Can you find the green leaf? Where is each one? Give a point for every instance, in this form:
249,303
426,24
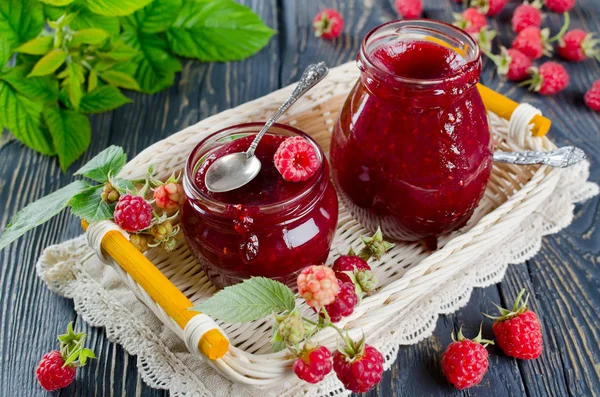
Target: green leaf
71,133
217,31
106,163
88,36
123,186
20,21
40,89
39,212
92,80
155,17
23,117
57,3
251,300
87,19
113,8
52,13
38,46
119,79
49,63
75,90
156,66
103,99
89,205
120,52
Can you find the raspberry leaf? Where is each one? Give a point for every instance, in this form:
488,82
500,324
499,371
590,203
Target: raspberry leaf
102,99
104,164
71,133
89,205
40,89
251,300
20,21
40,212
155,17
115,7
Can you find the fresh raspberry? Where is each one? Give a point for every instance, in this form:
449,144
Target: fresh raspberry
513,64
577,46
518,331
592,96
465,361
348,263
328,24
533,42
133,213
296,159
318,286
560,5
489,7
359,368
470,20
52,373
56,369
409,9
526,15
313,364
169,197
549,79
344,303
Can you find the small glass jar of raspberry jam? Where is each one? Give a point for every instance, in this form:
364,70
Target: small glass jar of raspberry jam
411,150
269,227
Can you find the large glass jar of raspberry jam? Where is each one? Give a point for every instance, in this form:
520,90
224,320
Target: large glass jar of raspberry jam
269,227
411,150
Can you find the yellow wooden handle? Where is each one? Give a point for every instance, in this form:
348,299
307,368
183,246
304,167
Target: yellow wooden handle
504,107
213,343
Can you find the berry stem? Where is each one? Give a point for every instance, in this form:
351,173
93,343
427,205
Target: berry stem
563,29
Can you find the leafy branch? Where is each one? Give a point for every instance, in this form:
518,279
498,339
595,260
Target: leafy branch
61,60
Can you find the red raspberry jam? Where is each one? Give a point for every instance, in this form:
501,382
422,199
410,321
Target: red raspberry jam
411,150
269,227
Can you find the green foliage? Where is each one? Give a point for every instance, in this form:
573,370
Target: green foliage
94,48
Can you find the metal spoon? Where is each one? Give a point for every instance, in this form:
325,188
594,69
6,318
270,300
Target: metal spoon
565,156
237,169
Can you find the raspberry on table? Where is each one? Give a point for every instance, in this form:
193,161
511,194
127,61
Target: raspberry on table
328,24
133,213
51,372
592,96
296,159
465,361
533,42
169,197
344,303
578,45
527,15
409,9
470,20
512,64
313,364
549,79
560,6
359,368
318,286
489,7
518,331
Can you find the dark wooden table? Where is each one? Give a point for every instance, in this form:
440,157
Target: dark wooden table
563,278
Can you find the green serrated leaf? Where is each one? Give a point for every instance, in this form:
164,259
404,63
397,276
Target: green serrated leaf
103,99
20,21
71,133
89,205
113,8
104,164
217,31
38,46
41,89
23,117
52,13
49,63
74,85
92,81
155,65
119,79
57,3
251,300
39,212
87,19
120,52
155,17
88,36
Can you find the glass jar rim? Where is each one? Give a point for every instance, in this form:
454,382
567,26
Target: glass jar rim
191,162
424,25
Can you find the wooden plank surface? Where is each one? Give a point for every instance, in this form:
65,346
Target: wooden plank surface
563,277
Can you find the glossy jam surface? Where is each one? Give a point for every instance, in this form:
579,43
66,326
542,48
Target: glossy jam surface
413,157
269,228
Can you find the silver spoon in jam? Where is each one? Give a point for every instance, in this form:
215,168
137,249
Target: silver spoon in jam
237,169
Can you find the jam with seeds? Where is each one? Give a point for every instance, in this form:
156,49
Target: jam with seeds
411,150
269,227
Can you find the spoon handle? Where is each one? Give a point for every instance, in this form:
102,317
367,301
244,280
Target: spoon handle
311,76
561,157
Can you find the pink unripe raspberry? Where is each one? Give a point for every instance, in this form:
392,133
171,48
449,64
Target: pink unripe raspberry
318,286
169,197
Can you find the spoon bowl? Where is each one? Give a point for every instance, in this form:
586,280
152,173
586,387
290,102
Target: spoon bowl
241,166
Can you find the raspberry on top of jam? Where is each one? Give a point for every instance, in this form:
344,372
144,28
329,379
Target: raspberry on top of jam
268,187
